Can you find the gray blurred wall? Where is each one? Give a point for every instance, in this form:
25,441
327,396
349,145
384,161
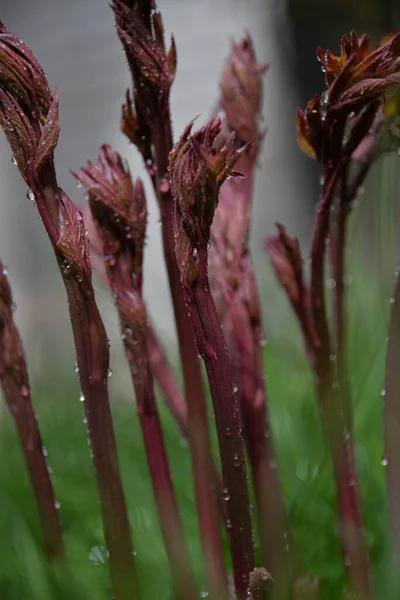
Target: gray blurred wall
76,43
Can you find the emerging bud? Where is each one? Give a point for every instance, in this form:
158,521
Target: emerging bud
285,255
140,29
22,76
142,35
117,204
360,71
197,172
241,89
357,81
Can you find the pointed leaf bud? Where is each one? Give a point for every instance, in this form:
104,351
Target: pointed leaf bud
197,172
118,204
22,76
241,88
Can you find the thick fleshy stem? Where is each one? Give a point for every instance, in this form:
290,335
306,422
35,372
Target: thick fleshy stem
335,422
197,172
33,136
235,290
161,370
158,360
14,383
119,212
142,36
91,345
211,345
136,348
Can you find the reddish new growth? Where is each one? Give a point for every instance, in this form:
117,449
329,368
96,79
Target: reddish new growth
14,382
29,119
234,288
205,208
147,123
197,172
118,208
340,130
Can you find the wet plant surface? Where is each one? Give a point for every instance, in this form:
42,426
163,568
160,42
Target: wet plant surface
275,471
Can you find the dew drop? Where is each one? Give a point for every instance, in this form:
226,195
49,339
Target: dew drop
24,391
330,284
44,450
360,190
164,186
76,368
384,461
332,357
14,162
263,340
109,373
335,385
236,461
57,505
228,432
5,271
128,331
194,253
123,337
322,180
383,392
30,195
226,494
81,397
234,388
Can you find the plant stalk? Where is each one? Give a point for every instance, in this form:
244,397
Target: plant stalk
136,348
198,428
211,345
14,382
332,404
